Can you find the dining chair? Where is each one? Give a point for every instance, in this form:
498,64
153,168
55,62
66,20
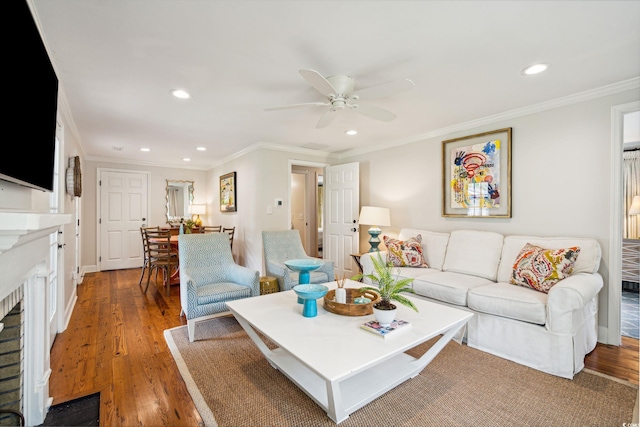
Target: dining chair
162,256
209,277
145,251
230,231
281,246
211,229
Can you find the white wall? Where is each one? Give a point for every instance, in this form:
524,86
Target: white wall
561,178
262,176
157,199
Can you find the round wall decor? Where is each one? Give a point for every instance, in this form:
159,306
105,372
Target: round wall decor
74,177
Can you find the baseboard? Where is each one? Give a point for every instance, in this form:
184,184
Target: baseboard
87,269
69,310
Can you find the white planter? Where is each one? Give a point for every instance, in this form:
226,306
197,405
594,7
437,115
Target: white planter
384,317
341,295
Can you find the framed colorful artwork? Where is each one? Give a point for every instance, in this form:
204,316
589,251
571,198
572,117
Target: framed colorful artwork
476,175
228,193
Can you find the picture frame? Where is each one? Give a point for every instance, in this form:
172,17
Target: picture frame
228,193
476,175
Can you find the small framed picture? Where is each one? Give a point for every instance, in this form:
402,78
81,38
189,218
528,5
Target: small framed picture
476,175
228,193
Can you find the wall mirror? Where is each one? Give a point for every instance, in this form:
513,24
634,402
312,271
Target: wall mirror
179,197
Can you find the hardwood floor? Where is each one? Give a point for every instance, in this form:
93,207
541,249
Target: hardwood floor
114,344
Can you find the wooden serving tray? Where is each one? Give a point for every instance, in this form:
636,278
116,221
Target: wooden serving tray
350,308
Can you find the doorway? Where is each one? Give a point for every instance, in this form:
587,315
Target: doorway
306,207
629,322
612,330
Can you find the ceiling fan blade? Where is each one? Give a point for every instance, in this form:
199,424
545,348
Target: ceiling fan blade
375,113
318,82
308,104
327,118
385,89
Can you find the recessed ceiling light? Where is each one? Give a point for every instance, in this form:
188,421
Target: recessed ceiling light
186,159
179,93
534,69
201,148
351,132
145,149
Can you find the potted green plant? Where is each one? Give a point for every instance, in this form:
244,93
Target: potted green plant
390,288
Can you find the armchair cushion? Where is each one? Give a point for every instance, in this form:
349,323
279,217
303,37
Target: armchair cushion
217,292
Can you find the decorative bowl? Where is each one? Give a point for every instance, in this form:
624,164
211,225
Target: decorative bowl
304,264
311,291
309,294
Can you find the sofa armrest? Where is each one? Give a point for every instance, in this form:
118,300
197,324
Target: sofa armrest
280,272
245,276
367,264
568,299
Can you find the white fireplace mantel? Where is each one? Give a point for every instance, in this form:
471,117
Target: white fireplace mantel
17,228
24,250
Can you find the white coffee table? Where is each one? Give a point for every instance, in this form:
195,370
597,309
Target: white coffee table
331,359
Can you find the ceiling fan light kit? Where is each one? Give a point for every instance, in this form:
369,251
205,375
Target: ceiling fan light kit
339,91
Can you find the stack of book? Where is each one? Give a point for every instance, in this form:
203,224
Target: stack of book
384,331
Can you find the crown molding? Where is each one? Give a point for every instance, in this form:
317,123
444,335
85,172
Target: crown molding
143,163
588,95
277,147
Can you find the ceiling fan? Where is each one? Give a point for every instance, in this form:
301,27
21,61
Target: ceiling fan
339,91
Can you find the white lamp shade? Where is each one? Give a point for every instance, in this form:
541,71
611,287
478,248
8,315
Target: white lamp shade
634,209
197,209
370,215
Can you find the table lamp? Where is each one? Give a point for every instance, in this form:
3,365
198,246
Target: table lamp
634,209
197,210
375,217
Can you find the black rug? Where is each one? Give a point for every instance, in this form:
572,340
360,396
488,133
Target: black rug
84,411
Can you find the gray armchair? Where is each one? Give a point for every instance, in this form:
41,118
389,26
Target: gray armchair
209,277
280,246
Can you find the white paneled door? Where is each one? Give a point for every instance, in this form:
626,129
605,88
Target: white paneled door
123,210
342,201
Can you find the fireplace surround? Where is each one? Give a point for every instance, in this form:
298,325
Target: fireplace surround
24,248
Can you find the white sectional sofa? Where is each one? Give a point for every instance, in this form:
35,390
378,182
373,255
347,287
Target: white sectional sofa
471,270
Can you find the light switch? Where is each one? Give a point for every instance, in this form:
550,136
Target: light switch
279,203
269,209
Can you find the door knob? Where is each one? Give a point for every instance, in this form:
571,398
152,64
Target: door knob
354,230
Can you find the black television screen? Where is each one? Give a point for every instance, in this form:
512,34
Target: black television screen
27,157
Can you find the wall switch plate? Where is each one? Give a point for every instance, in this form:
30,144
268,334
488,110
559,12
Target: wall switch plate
279,203
269,209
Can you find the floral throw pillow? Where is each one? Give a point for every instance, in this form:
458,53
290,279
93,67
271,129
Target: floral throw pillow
406,253
540,269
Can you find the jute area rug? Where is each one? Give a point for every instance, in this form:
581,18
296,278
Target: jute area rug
232,384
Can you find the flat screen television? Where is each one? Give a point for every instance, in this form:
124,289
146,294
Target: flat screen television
27,156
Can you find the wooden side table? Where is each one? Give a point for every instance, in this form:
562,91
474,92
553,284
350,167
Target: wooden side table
268,285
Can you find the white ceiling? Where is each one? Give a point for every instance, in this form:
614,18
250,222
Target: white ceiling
117,61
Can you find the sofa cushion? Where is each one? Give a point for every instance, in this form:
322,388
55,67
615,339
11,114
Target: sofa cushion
405,253
587,262
448,287
474,252
506,300
411,272
434,245
540,269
